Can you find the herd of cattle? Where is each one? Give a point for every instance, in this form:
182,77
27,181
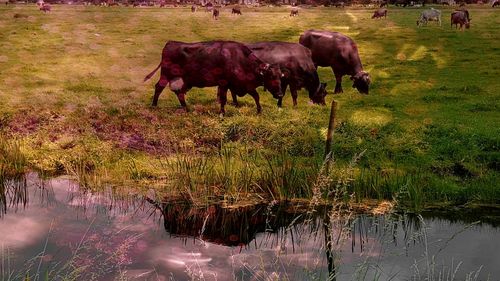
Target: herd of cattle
458,17
242,68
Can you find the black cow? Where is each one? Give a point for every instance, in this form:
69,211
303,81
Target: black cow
297,68
340,53
495,4
236,11
382,12
460,18
46,8
193,8
294,12
215,14
226,64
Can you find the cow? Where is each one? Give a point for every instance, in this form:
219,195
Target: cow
215,14
294,12
460,18
193,8
236,11
340,52
226,64
382,12
209,7
383,4
46,8
429,15
339,4
495,4
297,68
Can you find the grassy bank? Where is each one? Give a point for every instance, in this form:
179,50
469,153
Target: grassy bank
73,101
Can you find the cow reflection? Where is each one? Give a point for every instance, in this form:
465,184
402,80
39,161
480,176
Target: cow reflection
226,226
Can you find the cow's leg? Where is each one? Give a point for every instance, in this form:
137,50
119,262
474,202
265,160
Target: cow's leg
181,96
235,99
255,96
222,97
293,90
158,89
338,84
284,85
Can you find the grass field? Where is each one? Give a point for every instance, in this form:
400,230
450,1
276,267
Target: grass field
72,101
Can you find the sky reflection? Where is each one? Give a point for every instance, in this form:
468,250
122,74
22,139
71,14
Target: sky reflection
116,235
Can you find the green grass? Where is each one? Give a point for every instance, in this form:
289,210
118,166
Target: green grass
71,92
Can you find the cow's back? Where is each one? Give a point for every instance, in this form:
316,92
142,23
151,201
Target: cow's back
326,46
206,63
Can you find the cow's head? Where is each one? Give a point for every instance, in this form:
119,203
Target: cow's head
271,76
361,81
319,94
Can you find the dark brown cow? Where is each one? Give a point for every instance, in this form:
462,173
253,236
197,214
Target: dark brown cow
340,53
226,64
193,8
215,14
236,11
297,67
46,8
382,12
294,12
460,18
495,4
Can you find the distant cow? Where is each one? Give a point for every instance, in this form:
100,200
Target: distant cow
382,12
236,11
429,15
209,7
339,4
460,18
193,8
215,14
383,4
297,68
340,53
294,12
46,8
495,4
226,64
113,4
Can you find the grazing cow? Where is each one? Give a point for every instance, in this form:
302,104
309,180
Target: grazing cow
297,68
193,8
209,7
226,64
429,15
460,18
215,14
382,12
46,8
340,53
294,12
236,11
495,4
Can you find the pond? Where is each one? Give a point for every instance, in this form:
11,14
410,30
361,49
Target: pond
55,230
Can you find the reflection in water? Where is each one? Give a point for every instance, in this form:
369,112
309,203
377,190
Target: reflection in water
107,235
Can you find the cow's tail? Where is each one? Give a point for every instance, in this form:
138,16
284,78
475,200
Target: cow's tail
152,73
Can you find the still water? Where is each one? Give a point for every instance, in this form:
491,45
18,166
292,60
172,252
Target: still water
54,228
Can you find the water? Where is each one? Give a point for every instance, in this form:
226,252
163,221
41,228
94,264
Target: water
56,227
